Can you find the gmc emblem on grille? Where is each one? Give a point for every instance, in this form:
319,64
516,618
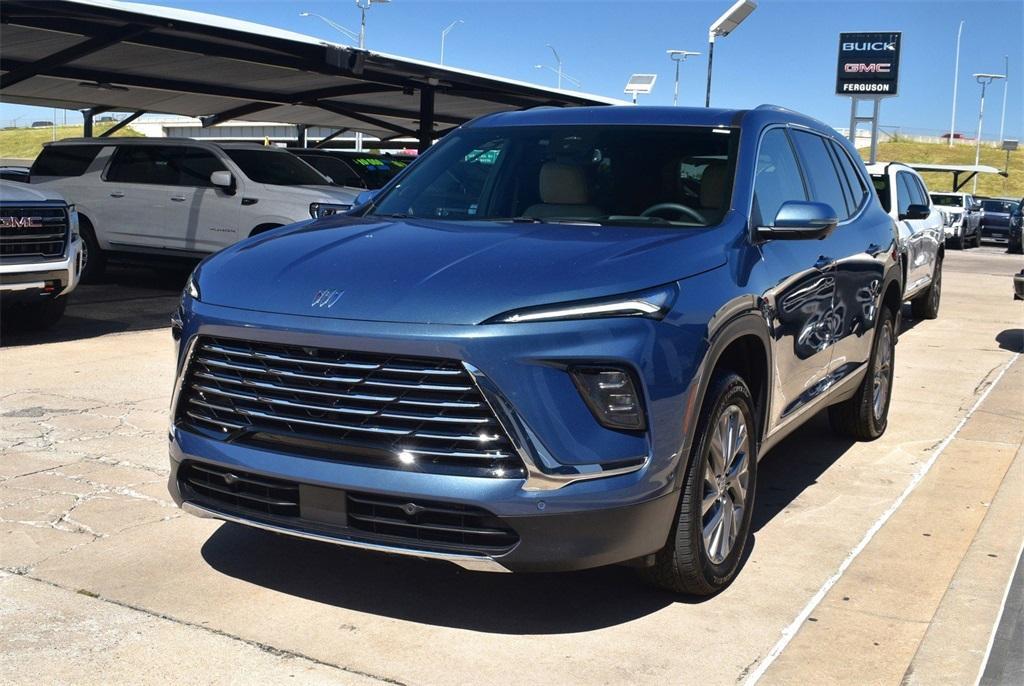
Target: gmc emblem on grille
21,222
326,298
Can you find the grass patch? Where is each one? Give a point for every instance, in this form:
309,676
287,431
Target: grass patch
941,153
25,144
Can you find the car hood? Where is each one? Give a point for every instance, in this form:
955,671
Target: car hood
12,191
427,271
324,193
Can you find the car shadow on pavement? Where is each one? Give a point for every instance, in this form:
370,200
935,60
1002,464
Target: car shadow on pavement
433,592
1011,339
129,298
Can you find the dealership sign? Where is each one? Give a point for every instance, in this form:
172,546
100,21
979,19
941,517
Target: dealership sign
869,64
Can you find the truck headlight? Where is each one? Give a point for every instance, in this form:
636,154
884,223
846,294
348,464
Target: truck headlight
653,304
191,288
326,209
611,395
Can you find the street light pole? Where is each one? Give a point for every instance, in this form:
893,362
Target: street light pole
723,26
678,56
984,80
956,78
1006,80
349,33
444,34
362,19
558,61
558,70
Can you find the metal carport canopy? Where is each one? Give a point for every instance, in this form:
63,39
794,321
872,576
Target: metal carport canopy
102,55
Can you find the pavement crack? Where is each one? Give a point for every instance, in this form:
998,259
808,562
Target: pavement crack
263,647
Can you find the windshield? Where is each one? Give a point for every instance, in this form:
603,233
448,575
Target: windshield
274,167
1004,206
948,200
673,176
334,168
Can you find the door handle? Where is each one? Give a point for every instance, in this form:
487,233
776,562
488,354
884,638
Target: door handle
178,198
824,262
117,194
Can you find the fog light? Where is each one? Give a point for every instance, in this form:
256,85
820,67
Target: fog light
611,395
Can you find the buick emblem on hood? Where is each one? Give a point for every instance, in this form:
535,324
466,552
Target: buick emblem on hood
326,298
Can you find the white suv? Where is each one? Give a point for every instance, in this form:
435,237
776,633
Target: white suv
180,197
904,195
964,211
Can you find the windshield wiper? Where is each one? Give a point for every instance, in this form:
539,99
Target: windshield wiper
550,220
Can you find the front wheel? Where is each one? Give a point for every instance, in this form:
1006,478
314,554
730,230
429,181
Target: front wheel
710,534
866,415
926,305
94,262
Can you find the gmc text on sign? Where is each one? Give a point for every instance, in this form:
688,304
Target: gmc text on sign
869,64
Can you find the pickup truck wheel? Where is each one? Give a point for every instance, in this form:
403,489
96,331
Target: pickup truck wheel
957,242
866,415
94,262
44,314
710,534
926,305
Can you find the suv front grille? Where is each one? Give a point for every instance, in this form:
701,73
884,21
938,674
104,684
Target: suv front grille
420,414
33,232
409,522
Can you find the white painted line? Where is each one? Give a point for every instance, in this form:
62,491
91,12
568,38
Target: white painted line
999,618
790,631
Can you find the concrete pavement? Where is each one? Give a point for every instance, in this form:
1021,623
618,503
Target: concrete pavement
100,567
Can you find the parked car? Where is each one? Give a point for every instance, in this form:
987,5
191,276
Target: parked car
964,211
178,197
361,170
1016,241
564,340
40,254
904,196
995,219
14,173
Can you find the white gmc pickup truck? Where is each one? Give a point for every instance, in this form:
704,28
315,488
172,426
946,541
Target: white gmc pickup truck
40,254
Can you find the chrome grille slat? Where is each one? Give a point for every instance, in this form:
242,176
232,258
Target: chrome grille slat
393,411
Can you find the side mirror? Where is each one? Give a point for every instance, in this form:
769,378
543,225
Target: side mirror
916,212
798,220
365,197
223,180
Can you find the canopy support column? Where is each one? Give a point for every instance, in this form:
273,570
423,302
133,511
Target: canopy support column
300,136
426,130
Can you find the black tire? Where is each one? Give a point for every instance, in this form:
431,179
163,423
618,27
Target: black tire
926,305
1016,248
861,417
94,262
42,314
684,565
957,243
977,239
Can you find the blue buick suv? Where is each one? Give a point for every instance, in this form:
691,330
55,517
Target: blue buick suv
562,338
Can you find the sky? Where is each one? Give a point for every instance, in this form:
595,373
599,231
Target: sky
784,53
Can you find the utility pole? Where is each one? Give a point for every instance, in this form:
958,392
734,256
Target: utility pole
984,80
956,77
1006,80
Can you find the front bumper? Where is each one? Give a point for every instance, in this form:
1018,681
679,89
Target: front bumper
53,278
571,512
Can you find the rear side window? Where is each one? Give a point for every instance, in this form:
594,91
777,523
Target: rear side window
143,164
881,184
821,173
854,180
777,178
904,192
64,160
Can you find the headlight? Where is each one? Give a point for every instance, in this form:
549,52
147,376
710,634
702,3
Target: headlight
191,289
326,209
73,221
653,304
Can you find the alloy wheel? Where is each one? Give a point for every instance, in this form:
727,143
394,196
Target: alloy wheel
726,479
883,371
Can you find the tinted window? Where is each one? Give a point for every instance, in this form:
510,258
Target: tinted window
821,172
64,160
335,168
1003,206
605,174
948,200
195,166
854,180
904,192
377,171
143,164
881,184
275,167
777,177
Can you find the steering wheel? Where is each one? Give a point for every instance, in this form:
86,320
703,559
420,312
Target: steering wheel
656,210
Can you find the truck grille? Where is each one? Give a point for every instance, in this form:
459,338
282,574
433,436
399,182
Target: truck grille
420,414
33,232
412,522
